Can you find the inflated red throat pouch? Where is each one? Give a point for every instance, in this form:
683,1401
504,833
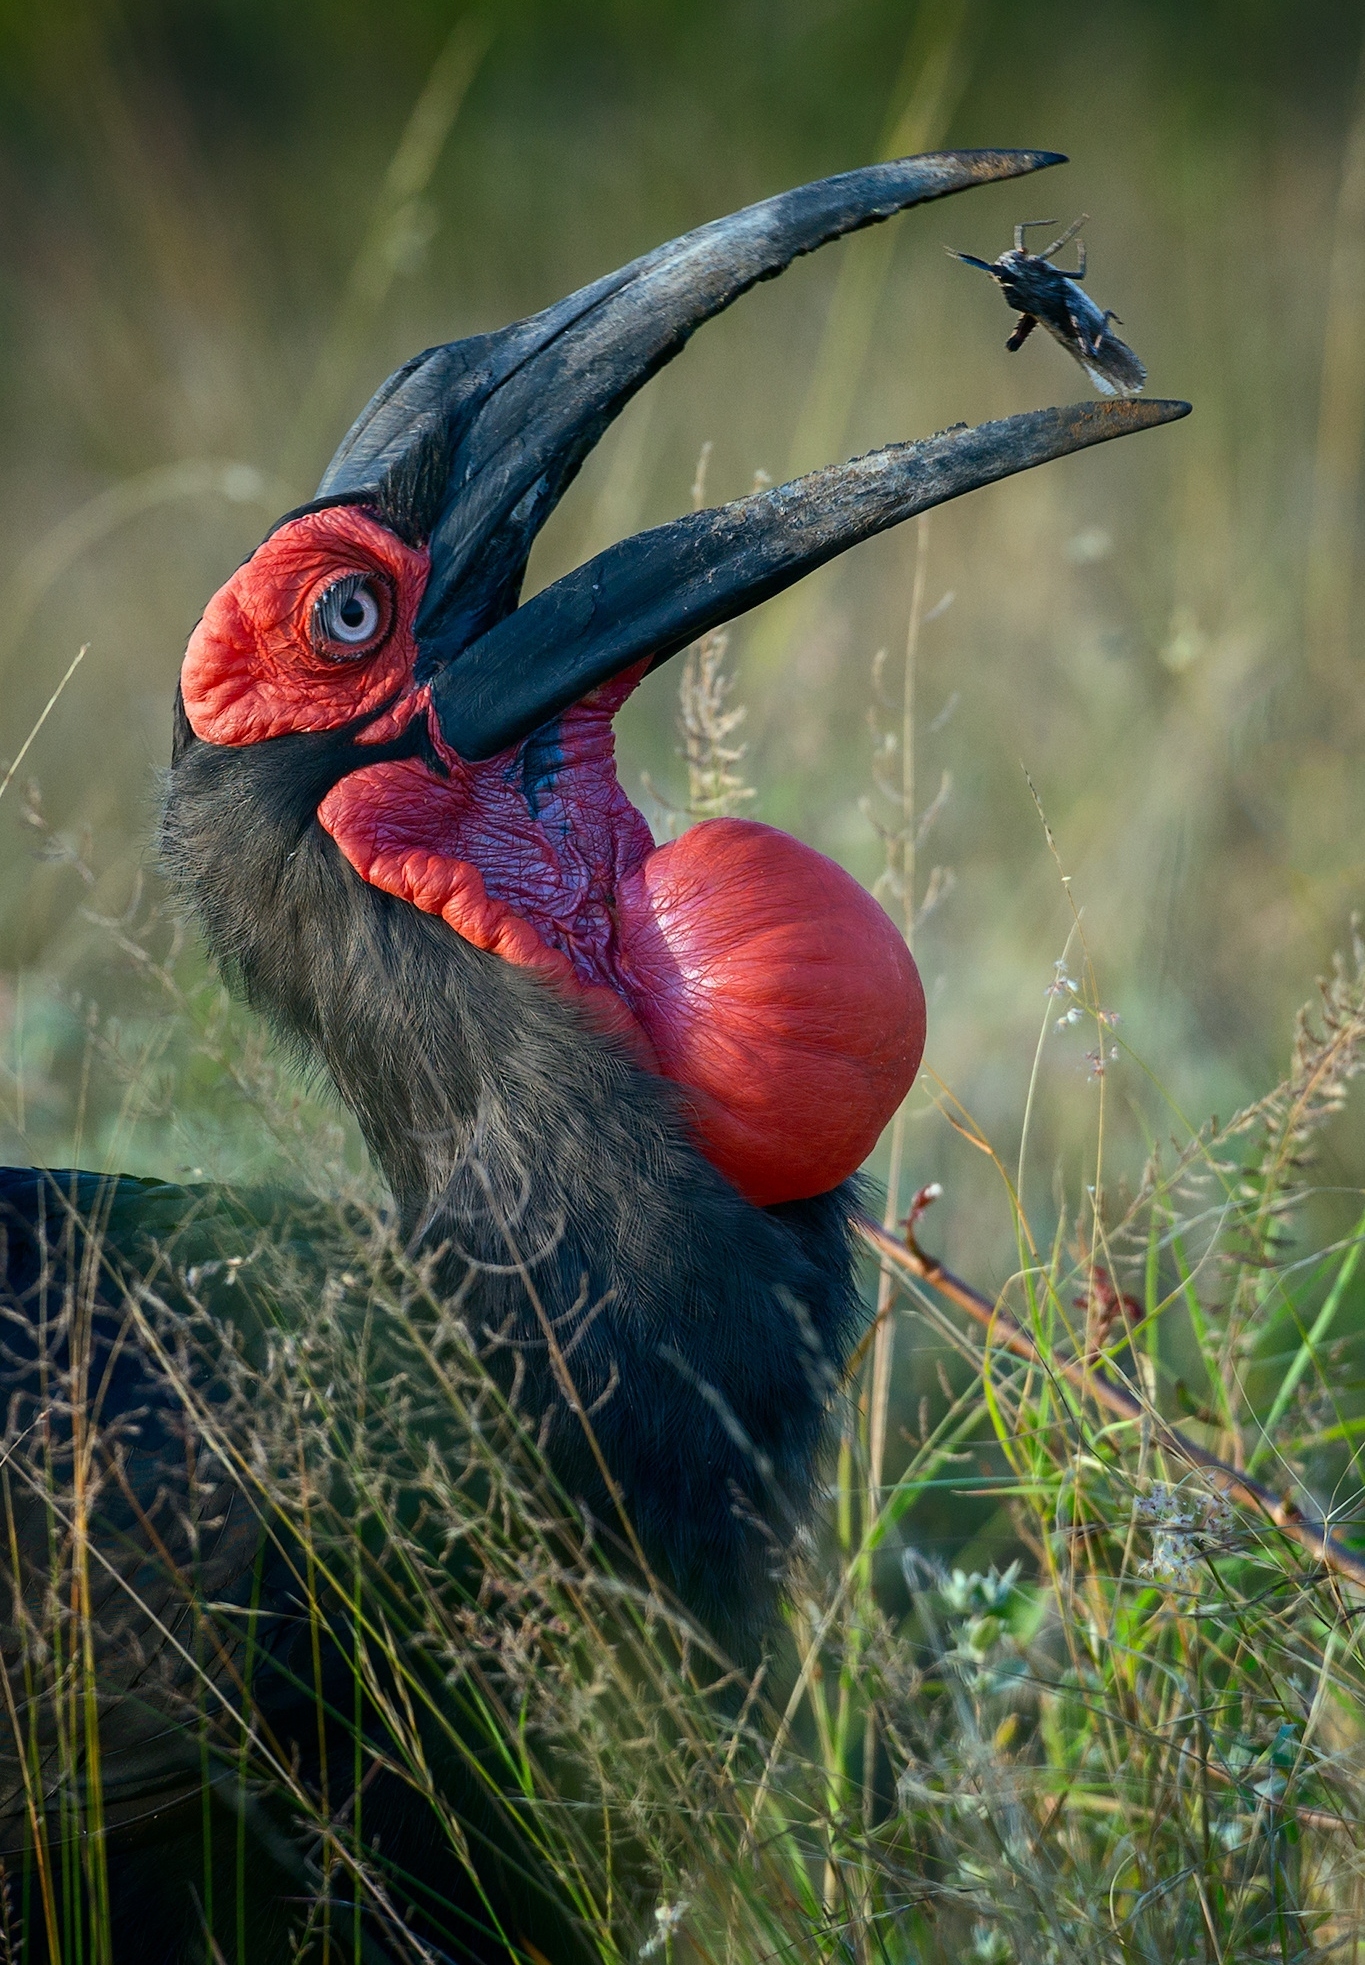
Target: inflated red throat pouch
746,967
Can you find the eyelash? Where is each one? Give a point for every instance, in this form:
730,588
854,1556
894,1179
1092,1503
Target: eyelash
338,639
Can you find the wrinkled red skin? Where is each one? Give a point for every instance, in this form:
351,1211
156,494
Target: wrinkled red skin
250,670
751,970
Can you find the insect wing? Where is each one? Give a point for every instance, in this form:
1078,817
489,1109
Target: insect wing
1114,369
1040,294
1100,381
1088,324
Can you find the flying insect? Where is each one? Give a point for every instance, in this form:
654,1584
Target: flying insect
1042,293
619,1092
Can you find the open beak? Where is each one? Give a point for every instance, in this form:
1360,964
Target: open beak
470,446
653,594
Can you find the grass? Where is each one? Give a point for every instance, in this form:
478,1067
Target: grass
1135,1734
1043,1692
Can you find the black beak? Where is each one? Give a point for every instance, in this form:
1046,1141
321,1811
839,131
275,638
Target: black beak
470,447
653,594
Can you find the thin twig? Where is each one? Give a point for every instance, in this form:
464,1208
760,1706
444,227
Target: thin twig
1310,1532
48,708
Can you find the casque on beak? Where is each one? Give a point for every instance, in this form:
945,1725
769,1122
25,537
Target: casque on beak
749,970
469,447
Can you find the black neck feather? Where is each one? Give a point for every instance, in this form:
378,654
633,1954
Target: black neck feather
705,1336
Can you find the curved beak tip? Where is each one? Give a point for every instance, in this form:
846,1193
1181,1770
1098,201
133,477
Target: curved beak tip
652,594
473,444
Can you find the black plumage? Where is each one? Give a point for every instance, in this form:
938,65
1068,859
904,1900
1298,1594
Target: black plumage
667,1348
506,1126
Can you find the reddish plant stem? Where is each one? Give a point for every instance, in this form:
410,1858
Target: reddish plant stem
1310,1532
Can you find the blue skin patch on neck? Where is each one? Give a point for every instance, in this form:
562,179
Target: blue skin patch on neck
541,757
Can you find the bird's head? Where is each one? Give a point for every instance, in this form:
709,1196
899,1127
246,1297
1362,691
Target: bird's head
459,745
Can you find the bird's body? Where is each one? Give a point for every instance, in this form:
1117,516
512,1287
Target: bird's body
139,1344
618,1094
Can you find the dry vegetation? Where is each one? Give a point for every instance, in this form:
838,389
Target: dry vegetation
1140,1739
1044,1694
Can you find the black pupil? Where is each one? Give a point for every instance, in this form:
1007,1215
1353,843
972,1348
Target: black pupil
352,611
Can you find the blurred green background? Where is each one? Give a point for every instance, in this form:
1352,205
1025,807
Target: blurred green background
222,224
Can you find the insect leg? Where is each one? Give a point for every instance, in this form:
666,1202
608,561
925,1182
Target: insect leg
1024,225
1023,328
1065,237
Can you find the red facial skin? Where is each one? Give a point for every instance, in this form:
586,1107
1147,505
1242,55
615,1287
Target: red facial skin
251,670
749,969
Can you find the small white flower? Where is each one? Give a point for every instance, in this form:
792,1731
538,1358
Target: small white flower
667,1918
991,1947
1186,1526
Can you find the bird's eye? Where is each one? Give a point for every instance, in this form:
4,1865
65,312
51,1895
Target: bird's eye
349,617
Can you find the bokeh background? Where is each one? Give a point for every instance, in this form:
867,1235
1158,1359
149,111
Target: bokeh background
222,224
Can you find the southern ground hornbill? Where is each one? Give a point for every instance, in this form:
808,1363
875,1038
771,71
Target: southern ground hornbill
618,1093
